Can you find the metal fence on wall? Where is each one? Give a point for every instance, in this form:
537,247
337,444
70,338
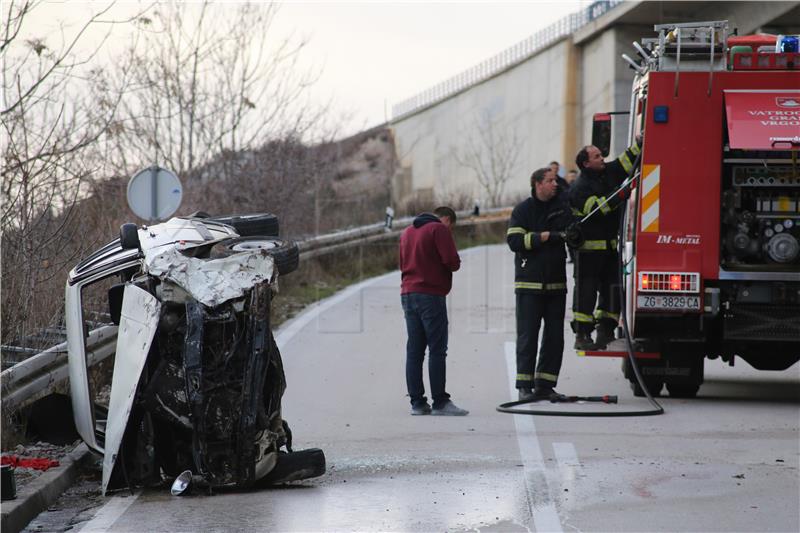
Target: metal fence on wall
503,60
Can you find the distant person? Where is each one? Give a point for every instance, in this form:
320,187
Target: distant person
571,176
540,284
563,186
428,258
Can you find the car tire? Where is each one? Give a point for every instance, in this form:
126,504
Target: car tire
294,466
285,253
250,225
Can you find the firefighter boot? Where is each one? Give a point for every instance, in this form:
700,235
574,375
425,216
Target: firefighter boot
605,334
583,337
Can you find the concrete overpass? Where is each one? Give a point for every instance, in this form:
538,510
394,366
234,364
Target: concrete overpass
480,134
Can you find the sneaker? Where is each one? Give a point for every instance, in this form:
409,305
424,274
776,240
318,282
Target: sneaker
449,409
421,409
526,395
583,341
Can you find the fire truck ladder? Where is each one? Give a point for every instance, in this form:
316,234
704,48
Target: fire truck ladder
692,39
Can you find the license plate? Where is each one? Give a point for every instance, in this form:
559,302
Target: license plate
668,302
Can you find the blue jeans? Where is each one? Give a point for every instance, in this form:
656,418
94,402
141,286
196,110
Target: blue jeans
426,324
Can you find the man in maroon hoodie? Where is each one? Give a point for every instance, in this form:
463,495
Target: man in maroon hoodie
428,258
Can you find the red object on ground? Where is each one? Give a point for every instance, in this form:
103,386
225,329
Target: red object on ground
37,463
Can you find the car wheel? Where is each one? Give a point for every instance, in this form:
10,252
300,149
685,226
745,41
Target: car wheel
294,466
285,253
252,224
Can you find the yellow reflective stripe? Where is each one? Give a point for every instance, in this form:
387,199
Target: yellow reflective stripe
516,230
577,212
604,207
626,162
587,205
539,286
593,245
527,241
545,375
582,317
599,313
599,245
524,377
635,149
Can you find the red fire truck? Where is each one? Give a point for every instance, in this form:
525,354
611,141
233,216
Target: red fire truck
711,255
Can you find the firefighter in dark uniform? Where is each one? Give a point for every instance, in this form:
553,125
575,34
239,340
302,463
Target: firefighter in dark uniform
535,235
597,262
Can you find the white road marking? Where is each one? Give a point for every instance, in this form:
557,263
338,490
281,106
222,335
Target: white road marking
566,456
545,515
109,513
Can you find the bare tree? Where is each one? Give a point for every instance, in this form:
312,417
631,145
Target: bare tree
492,155
207,83
49,123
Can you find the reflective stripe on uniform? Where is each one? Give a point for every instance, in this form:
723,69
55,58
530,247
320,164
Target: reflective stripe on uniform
635,149
583,317
539,286
546,376
516,230
604,207
524,377
527,241
599,245
600,314
587,205
626,163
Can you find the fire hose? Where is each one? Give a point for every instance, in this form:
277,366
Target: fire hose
574,238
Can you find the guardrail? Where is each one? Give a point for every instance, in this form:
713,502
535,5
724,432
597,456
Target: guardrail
38,375
41,374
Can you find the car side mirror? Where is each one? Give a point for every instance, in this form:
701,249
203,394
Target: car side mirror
601,132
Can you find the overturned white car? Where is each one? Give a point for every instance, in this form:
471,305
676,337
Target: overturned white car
197,379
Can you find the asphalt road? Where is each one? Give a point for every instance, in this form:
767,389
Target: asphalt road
726,461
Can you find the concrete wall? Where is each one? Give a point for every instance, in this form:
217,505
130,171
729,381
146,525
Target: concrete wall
541,108
523,110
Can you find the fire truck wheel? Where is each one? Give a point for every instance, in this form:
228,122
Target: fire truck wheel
682,390
653,385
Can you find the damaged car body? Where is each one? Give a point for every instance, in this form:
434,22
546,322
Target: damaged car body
198,378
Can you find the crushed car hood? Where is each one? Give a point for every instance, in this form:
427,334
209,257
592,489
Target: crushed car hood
211,281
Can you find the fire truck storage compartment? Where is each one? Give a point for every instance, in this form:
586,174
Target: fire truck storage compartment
761,182
760,217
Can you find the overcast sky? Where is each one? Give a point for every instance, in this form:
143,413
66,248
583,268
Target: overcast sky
377,54
373,55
